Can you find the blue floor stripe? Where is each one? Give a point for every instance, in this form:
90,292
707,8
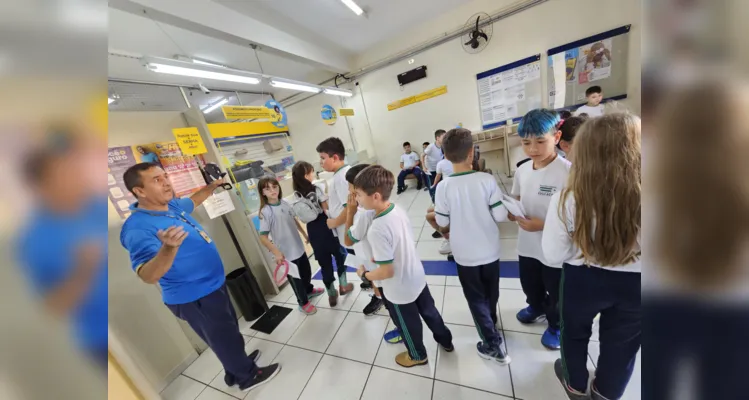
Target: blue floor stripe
507,269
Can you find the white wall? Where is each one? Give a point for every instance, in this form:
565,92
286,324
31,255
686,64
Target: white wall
534,31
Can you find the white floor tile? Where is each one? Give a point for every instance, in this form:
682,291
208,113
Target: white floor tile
359,337
509,283
392,385
213,394
363,299
510,302
436,280
416,232
318,330
297,366
418,221
283,296
452,281
426,234
448,391
345,302
508,230
182,388
430,251
204,368
386,354
464,366
455,309
336,379
508,249
285,329
533,368
268,351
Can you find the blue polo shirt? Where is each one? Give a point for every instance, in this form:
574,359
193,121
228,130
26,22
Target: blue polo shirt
47,253
197,269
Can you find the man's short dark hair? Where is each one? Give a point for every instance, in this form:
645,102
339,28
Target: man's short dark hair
406,144
332,146
456,144
354,171
438,133
132,176
592,89
375,179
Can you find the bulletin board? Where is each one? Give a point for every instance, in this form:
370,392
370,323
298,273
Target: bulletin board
509,91
598,60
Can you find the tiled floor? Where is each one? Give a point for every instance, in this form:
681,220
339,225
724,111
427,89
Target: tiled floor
338,353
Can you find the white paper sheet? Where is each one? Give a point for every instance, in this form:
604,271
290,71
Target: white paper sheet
513,206
218,204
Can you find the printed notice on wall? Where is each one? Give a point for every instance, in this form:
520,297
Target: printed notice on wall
119,160
218,204
509,91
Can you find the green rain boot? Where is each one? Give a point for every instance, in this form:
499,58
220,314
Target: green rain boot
332,295
345,287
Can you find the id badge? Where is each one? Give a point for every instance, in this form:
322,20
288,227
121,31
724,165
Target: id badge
205,237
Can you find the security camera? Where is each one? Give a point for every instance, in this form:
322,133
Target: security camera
203,88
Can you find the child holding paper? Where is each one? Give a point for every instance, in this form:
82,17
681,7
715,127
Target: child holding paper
534,184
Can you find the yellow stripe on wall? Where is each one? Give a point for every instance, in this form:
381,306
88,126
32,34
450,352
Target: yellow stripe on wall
225,130
417,98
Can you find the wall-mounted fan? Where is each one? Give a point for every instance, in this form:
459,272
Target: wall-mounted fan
477,34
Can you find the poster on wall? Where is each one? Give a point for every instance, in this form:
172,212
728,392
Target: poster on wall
594,61
509,91
119,160
279,120
183,171
328,114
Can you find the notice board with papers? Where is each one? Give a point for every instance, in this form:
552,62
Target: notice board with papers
509,91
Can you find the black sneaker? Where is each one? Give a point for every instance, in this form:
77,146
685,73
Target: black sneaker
436,235
375,304
230,380
262,377
365,285
496,354
559,371
449,349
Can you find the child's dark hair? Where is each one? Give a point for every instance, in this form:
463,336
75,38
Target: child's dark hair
264,182
570,126
332,146
564,114
439,132
354,171
592,90
299,180
456,144
538,122
425,144
406,144
375,179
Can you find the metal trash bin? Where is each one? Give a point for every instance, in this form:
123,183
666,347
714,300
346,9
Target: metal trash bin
246,292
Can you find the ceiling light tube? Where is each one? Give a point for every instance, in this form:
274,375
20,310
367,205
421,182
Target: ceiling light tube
208,109
110,100
338,92
302,87
175,67
353,6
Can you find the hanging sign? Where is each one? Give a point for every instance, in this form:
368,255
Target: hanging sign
279,119
249,112
328,114
189,141
218,204
346,112
417,98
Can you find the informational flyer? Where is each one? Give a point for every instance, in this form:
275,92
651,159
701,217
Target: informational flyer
119,160
594,61
504,92
183,171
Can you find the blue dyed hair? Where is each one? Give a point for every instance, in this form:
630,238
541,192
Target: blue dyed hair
538,122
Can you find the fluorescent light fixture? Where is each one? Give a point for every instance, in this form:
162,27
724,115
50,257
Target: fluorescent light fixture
338,92
302,87
208,109
207,63
353,6
110,100
176,67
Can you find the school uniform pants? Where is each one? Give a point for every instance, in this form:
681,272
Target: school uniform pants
402,176
481,290
541,287
585,292
213,318
326,248
302,286
429,182
407,318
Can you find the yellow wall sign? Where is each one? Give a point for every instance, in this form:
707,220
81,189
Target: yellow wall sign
248,112
189,141
237,129
346,112
417,98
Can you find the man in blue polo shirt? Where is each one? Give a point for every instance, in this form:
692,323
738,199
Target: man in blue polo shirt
169,247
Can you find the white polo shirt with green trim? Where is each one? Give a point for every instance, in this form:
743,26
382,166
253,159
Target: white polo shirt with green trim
471,204
358,234
391,238
337,198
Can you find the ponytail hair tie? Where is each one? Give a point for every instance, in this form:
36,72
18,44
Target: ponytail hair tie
560,123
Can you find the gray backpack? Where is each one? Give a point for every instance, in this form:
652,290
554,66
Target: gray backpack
307,209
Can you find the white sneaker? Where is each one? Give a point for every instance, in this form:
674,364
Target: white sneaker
445,247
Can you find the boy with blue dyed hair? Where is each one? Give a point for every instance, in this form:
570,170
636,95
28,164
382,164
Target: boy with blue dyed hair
534,184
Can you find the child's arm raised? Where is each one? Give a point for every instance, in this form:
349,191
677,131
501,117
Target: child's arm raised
350,211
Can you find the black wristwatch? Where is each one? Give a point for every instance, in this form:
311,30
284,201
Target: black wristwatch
364,277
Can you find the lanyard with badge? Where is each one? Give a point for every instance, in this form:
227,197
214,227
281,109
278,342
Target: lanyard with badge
185,220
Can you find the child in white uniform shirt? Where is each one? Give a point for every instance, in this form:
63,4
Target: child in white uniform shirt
410,164
534,184
470,203
593,108
400,273
277,220
433,155
332,155
593,226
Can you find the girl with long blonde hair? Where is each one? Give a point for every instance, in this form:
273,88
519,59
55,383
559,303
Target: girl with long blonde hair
593,227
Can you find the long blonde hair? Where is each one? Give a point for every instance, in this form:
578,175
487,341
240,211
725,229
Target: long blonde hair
606,181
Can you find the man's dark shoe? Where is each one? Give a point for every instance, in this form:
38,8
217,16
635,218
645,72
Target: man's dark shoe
263,376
